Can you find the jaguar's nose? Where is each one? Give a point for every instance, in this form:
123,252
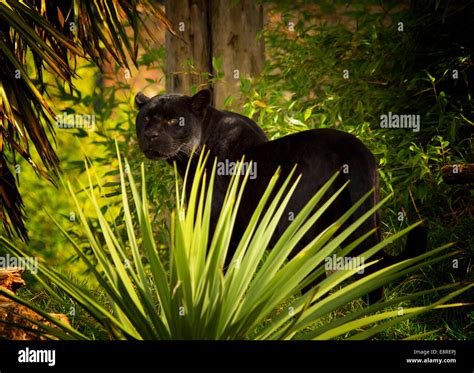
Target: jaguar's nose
152,136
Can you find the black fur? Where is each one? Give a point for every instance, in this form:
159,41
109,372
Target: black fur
318,154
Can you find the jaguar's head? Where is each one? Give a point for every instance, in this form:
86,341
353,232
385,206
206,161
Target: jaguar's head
170,124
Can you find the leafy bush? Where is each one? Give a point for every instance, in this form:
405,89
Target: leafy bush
344,74
343,64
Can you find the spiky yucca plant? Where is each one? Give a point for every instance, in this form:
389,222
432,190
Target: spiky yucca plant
198,298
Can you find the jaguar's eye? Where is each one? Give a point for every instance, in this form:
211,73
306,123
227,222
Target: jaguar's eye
173,122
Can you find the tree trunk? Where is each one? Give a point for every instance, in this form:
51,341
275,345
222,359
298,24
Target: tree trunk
234,37
190,19
216,28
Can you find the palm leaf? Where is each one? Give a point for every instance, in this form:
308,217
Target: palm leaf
54,33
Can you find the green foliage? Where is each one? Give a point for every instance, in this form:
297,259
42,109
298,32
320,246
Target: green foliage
302,87
51,37
198,298
343,64
345,73
109,98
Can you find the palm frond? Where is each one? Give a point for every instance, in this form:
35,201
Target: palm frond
53,34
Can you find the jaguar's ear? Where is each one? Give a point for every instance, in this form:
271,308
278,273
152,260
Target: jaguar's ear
140,99
200,101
